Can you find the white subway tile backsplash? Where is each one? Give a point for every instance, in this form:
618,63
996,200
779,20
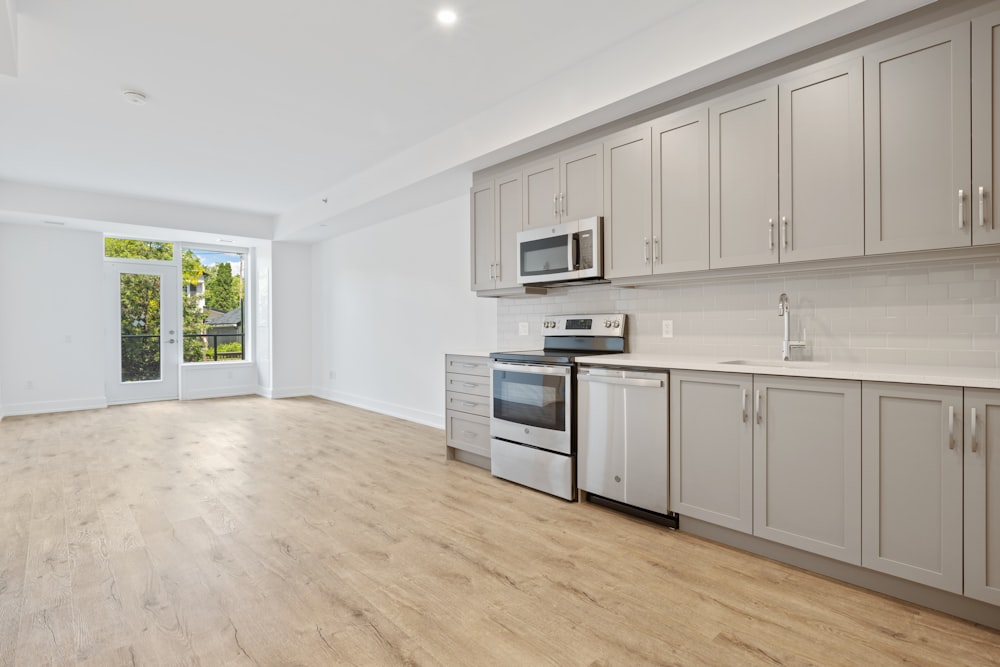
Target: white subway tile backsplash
938,314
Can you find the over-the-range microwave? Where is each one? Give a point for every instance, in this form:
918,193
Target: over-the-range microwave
558,253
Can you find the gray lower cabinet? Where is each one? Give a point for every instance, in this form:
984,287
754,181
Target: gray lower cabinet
773,456
982,495
911,485
711,447
807,464
622,437
467,410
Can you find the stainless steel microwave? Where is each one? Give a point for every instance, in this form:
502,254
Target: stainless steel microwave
559,253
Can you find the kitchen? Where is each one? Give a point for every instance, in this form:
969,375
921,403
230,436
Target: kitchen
861,312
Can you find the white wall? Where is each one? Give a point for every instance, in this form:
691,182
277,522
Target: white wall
389,301
52,330
291,320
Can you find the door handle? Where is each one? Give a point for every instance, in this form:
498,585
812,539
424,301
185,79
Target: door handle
961,209
951,427
656,249
171,340
757,405
784,232
982,206
975,446
743,409
770,233
645,250
555,206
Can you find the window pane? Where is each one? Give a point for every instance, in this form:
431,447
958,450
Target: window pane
214,289
140,327
133,249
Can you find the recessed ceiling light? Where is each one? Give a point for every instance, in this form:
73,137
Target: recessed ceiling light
447,16
54,222
135,97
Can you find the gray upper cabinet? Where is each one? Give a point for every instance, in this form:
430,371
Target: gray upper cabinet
985,116
629,239
680,192
917,148
483,237
711,448
912,482
982,495
807,464
743,159
567,187
821,176
496,220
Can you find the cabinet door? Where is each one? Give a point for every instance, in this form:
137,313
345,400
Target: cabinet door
985,116
711,448
743,138
483,238
582,182
821,165
982,495
601,439
911,482
509,210
646,442
917,148
541,190
628,248
680,192
807,465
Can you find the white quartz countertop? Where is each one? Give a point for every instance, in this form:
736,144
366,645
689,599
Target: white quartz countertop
982,378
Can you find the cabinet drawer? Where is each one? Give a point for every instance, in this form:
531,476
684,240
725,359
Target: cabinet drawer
468,432
467,365
468,384
470,403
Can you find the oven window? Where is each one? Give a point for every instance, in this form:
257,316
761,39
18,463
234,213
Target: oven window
545,256
530,399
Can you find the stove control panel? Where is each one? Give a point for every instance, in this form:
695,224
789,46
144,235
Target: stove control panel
603,324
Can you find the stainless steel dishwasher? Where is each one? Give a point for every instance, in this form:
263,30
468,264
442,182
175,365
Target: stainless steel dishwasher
622,437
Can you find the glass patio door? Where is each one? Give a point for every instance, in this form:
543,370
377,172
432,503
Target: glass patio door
145,339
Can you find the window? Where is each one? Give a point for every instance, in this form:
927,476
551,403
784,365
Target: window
213,284
134,249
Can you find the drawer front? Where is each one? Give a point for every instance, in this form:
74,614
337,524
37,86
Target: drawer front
468,384
470,403
468,432
467,365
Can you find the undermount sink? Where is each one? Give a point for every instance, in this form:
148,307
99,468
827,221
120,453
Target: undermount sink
775,364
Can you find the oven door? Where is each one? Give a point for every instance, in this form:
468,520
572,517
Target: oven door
532,405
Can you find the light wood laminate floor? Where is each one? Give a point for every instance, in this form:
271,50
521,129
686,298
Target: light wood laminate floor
302,532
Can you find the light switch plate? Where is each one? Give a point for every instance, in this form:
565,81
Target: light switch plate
668,328
522,328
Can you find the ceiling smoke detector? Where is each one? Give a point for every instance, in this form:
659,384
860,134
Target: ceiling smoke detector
135,97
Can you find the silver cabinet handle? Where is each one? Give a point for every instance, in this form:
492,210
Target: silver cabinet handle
491,271
496,274
555,206
465,365
656,249
743,408
982,206
951,427
645,250
770,233
784,232
756,402
975,446
562,199
469,434
531,369
961,209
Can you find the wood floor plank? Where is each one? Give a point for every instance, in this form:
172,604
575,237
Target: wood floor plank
249,531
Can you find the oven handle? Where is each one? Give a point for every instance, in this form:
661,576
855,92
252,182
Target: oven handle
534,370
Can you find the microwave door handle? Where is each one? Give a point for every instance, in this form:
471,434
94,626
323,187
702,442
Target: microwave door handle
574,248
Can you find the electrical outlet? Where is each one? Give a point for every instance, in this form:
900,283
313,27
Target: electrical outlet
522,328
333,375
668,328
29,385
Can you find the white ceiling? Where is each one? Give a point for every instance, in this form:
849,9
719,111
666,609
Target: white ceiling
266,107
256,105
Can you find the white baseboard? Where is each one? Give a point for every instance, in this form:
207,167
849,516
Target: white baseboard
43,407
218,392
382,407
264,391
289,392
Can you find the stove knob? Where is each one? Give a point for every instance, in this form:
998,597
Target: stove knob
617,324
545,325
607,324
552,325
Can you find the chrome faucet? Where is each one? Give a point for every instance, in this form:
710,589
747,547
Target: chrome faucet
784,310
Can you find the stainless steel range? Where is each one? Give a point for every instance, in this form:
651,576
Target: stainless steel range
533,402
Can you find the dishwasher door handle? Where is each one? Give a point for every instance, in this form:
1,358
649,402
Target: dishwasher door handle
628,382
